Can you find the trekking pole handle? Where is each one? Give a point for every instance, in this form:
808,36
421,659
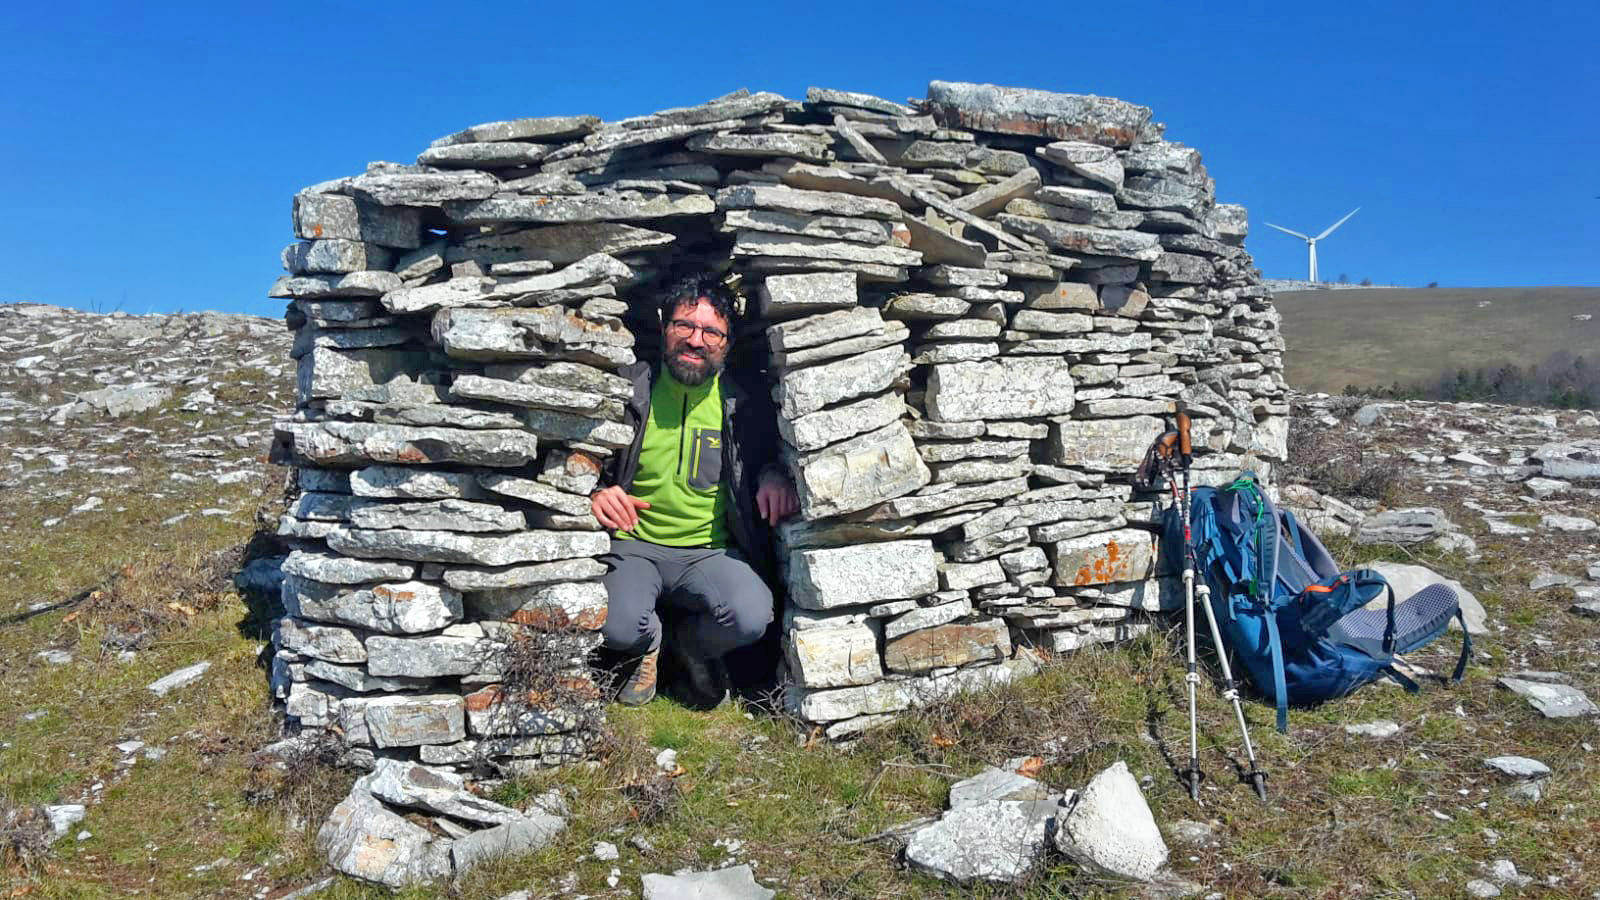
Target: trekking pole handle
1185,446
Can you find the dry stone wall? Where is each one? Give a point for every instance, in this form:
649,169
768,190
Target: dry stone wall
972,311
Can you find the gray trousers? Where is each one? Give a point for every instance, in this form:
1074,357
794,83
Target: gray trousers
727,604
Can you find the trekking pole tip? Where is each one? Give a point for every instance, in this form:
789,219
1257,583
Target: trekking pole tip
1258,780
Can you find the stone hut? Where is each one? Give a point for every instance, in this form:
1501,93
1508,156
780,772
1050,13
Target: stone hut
973,311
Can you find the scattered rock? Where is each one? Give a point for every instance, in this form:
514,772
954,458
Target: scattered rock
1549,580
1192,833
181,678
1108,827
732,883
62,817
1553,701
365,840
1518,766
1504,872
1404,526
1567,523
1382,728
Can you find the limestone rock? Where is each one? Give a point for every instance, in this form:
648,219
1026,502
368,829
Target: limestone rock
948,645
407,720
477,550
1108,827
1111,556
860,472
359,443
834,657
731,883
1007,110
363,839
868,573
1553,701
407,607
1000,389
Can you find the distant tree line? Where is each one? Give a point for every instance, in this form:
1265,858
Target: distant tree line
1561,381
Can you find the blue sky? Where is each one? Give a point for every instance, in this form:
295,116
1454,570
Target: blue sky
148,154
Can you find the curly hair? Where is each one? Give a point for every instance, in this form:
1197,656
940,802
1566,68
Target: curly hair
693,287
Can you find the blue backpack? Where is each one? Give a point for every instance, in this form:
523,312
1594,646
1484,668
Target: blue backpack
1295,623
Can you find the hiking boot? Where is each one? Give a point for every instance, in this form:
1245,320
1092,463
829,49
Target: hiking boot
640,687
708,678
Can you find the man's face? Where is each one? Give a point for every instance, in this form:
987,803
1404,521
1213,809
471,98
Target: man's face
695,342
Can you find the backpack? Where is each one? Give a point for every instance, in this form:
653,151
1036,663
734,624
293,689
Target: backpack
1295,623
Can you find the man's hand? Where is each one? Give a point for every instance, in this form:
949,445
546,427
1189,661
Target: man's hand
616,509
776,499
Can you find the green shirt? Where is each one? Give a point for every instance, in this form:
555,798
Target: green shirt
680,467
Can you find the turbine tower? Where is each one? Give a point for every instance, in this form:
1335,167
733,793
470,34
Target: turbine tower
1311,242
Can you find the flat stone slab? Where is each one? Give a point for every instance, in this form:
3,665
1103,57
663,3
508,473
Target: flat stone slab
987,840
439,791
356,443
335,569
409,720
181,678
1006,388
834,657
955,644
531,831
807,390
1404,526
866,573
549,129
1518,766
732,883
995,784
1382,728
1553,701
396,607
1127,554
364,839
469,549
1028,111
860,472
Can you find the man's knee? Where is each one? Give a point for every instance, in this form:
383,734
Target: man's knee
746,622
628,632
746,615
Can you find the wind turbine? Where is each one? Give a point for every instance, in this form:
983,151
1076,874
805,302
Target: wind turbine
1311,242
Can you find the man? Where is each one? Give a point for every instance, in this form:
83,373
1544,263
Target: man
691,499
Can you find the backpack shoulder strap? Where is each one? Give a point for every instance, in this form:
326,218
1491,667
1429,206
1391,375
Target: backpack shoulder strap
1280,689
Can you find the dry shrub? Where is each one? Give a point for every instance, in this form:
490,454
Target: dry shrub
547,694
303,778
1335,461
1052,712
144,600
25,836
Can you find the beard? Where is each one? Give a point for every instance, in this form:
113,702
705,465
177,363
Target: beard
696,368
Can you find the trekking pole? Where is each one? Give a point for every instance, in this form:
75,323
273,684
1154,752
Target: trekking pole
1192,775
1230,691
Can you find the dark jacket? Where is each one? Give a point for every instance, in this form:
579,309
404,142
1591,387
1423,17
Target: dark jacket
749,447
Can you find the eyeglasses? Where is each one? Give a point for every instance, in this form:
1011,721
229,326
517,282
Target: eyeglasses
682,329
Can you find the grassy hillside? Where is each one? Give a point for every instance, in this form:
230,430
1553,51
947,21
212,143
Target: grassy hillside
1375,337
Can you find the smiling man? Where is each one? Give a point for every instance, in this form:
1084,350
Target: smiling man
691,500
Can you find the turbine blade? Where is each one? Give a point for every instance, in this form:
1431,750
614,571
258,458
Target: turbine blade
1286,231
1338,223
